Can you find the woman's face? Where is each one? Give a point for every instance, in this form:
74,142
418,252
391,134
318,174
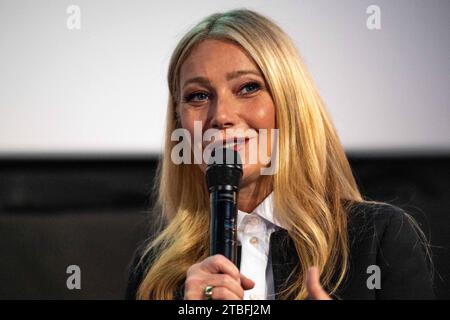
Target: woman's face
223,88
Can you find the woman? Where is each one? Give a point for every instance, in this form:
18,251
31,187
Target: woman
305,231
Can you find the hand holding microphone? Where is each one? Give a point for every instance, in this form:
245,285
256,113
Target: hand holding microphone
215,278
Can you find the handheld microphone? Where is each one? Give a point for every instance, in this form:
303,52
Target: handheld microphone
223,175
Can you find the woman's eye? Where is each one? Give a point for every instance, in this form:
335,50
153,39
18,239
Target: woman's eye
250,87
196,96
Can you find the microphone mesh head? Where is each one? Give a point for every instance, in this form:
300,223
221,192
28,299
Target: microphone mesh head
224,168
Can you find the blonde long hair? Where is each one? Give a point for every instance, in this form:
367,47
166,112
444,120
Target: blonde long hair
310,154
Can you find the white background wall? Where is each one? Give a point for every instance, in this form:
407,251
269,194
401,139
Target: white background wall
102,89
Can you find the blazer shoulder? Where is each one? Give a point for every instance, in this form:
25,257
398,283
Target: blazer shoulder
384,225
374,211
378,219
395,243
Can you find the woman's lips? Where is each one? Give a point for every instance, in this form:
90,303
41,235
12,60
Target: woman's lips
235,144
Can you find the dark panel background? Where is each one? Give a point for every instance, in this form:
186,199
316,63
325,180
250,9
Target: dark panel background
93,213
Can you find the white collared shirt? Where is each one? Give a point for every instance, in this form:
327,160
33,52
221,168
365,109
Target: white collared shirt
253,233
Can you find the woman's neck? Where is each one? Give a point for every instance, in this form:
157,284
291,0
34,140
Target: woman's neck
251,195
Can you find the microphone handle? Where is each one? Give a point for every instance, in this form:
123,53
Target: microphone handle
223,237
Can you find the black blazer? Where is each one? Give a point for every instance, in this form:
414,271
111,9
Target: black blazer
379,234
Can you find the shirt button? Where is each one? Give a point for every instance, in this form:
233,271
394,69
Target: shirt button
254,221
254,241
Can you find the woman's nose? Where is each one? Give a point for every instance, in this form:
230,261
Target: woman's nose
223,115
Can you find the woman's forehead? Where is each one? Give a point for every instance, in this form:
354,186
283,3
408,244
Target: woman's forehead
214,56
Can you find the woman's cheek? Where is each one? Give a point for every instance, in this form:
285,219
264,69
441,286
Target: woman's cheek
260,114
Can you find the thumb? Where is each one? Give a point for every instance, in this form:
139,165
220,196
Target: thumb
247,283
313,286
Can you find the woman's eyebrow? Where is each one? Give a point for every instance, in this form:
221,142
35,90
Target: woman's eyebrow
229,76
239,73
201,80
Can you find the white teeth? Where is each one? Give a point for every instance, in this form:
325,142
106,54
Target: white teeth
227,144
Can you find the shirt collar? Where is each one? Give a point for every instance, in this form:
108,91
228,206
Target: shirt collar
264,210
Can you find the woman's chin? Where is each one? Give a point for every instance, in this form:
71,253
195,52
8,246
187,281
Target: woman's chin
251,173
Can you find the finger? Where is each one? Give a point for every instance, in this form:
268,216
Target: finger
226,281
247,283
195,289
222,293
313,286
219,264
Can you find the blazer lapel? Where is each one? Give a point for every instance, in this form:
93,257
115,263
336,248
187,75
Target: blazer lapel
284,259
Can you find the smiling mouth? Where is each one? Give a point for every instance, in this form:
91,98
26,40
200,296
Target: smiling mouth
236,143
